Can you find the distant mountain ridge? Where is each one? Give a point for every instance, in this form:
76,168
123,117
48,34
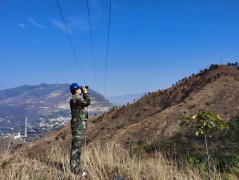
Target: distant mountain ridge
157,115
43,101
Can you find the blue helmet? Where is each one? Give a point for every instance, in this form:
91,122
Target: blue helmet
74,86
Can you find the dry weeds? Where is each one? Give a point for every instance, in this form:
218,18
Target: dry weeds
102,162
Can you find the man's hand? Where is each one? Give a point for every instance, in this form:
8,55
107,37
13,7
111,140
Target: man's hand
85,91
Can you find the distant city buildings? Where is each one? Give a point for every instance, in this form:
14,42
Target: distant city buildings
44,125
18,136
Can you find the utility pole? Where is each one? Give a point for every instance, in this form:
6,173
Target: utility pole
25,135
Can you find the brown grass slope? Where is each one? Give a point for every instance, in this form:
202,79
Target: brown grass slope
157,115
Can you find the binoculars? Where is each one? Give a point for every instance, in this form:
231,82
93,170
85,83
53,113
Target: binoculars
87,87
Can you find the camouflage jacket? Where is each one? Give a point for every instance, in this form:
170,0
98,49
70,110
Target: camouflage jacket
77,104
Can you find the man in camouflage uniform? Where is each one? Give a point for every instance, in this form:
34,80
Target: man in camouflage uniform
78,124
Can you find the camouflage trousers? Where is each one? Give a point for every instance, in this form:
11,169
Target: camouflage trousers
78,127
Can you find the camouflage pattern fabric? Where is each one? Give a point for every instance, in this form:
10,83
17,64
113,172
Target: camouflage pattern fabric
78,127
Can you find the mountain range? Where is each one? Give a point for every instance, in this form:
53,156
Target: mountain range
157,115
41,103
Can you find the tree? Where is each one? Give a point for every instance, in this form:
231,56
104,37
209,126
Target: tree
213,66
206,123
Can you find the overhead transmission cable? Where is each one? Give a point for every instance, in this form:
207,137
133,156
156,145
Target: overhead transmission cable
92,46
71,42
107,48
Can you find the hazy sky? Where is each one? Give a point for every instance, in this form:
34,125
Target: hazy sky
153,43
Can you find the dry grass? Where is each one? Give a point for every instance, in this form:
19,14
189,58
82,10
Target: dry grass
101,162
20,167
105,162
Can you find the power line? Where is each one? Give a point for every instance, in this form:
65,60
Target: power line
107,48
92,47
71,42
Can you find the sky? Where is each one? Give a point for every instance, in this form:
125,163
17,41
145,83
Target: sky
152,43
